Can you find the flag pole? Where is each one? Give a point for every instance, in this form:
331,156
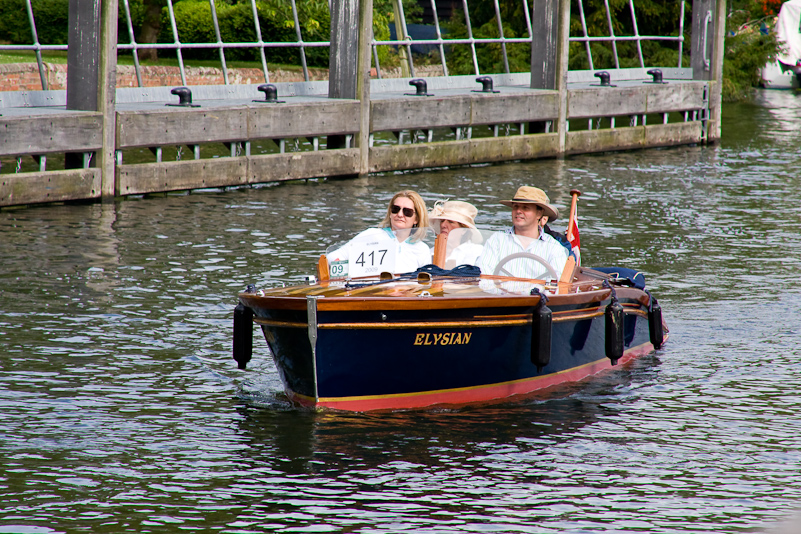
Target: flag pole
575,193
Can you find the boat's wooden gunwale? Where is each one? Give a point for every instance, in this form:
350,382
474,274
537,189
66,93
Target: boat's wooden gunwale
476,322
520,320
578,294
345,303
380,303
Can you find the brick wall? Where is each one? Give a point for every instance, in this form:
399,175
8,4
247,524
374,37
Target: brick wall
25,76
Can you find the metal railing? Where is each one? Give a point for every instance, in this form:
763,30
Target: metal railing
178,46
441,42
637,38
403,40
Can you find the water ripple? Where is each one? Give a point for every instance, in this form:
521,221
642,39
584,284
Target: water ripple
122,410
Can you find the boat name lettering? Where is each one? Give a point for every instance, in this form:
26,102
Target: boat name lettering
448,338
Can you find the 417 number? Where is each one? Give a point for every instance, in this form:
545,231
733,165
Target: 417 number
362,259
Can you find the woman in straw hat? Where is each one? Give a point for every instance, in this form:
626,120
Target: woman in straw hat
531,209
465,247
404,226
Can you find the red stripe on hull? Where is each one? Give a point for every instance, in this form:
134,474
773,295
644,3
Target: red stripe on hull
469,395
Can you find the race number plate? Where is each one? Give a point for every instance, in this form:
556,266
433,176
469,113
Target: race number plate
338,269
372,257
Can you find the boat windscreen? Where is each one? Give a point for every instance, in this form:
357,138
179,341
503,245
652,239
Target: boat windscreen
464,246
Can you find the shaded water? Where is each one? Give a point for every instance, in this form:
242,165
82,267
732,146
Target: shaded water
121,409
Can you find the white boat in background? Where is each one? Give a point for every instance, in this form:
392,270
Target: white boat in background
774,77
783,73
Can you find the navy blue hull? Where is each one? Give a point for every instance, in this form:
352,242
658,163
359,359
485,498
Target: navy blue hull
389,353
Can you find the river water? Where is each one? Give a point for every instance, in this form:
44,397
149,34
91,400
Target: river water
121,409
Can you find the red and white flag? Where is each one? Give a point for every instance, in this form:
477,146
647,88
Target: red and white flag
573,230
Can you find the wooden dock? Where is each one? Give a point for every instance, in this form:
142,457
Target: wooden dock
101,142
517,124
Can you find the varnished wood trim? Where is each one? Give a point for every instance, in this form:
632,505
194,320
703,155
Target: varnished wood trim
467,323
635,311
481,321
345,303
280,324
573,315
381,303
496,317
579,315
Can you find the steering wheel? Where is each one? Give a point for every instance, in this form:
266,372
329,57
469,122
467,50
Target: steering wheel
499,269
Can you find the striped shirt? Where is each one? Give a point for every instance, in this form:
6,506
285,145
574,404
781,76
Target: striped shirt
502,244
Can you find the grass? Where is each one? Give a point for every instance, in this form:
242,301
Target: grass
25,56
168,59
125,58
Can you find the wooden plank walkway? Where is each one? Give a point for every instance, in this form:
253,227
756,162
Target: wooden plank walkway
631,114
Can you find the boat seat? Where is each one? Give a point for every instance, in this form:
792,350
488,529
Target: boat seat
569,271
440,243
322,268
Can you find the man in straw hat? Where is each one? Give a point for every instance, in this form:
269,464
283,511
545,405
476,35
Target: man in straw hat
531,209
465,247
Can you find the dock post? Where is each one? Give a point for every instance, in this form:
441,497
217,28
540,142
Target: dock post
563,53
544,44
703,39
550,22
83,54
349,67
714,123
91,77
83,59
107,99
343,55
708,31
363,82
544,50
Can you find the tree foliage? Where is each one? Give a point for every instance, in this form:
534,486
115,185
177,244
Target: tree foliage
749,42
653,18
484,25
749,46
51,17
151,27
194,24
747,49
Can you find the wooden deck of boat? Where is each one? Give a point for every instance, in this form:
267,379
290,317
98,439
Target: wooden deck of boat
486,286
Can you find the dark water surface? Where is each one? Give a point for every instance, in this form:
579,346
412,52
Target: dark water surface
121,409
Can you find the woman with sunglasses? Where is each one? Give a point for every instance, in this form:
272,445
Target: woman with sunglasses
406,224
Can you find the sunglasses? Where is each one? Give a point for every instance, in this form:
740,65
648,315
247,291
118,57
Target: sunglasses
407,212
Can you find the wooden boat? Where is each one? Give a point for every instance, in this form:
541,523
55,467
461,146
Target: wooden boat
391,342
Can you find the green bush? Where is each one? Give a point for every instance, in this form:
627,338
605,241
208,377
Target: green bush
51,17
654,17
137,10
14,26
746,51
489,56
194,23
52,21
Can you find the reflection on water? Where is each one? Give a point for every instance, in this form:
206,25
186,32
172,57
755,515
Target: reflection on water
122,410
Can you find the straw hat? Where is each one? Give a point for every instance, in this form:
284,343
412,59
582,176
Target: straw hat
454,210
534,195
